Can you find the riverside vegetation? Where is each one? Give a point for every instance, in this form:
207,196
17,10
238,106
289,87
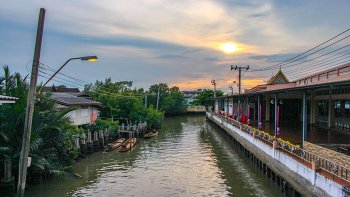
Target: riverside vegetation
52,150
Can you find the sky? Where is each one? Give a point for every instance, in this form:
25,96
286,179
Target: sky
174,42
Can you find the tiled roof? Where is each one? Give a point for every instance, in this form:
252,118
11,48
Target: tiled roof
71,100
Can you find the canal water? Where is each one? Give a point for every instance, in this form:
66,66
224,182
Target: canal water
189,157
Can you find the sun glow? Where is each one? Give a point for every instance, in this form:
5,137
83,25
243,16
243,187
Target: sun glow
229,47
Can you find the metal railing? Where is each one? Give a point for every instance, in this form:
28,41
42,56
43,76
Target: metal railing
335,169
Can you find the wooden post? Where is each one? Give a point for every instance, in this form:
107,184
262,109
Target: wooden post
23,161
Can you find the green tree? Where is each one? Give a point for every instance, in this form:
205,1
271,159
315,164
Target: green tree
173,103
48,137
171,100
205,97
120,101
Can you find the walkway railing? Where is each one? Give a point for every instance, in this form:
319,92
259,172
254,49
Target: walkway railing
334,169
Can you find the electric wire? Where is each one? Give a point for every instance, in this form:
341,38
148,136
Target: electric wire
288,61
94,90
321,66
79,81
330,58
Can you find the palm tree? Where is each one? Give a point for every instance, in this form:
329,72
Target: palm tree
48,137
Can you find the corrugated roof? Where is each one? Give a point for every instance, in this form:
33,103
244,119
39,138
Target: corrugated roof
71,100
2,97
60,89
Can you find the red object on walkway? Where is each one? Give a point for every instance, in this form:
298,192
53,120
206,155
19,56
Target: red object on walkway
244,119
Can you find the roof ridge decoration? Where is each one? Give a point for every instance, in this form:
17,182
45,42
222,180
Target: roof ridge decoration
278,78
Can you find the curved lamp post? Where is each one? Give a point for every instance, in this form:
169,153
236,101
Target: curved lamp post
86,58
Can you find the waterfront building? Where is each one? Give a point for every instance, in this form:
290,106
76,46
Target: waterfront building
327,101
312,112
190,95
85,110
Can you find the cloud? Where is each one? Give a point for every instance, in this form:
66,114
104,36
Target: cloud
274,57
164,40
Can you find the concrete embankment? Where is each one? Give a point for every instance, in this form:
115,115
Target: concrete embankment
301,175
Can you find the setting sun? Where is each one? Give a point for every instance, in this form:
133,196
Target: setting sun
229,47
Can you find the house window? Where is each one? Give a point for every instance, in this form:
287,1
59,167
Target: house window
84,112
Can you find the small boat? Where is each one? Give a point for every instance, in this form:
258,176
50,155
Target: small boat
116,144
151,134
127,145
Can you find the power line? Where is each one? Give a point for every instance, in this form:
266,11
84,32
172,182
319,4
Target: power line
329,58
320,66
320,56
96,91
72,82
325,66
79,81
228,77
288,61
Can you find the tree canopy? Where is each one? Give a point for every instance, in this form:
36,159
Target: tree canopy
205,97
121,101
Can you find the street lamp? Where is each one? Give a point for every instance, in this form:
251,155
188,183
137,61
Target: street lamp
86,58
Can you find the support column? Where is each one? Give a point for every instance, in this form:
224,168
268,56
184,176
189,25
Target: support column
227,107
267,112
304,111
342,107
216,106
331,110
238,107
259,113
276,118
313,107
248,107
233,106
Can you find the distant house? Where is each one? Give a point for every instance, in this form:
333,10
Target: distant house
7,99
86,110
191,95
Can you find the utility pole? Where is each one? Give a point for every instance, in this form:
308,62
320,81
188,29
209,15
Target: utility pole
146,99
158,97
239,68
214,84
23,161
231,88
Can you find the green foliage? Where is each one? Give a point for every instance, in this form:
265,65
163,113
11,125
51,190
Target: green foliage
109,124
49,145
122,102
205,98
173,103
171,100
154,117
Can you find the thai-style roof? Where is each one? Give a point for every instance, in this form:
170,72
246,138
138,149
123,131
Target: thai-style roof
279,78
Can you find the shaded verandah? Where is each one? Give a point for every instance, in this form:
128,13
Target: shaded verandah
326,108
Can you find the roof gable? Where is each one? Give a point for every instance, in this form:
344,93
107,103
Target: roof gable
279,78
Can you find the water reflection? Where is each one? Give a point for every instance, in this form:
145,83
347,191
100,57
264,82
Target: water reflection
185,159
